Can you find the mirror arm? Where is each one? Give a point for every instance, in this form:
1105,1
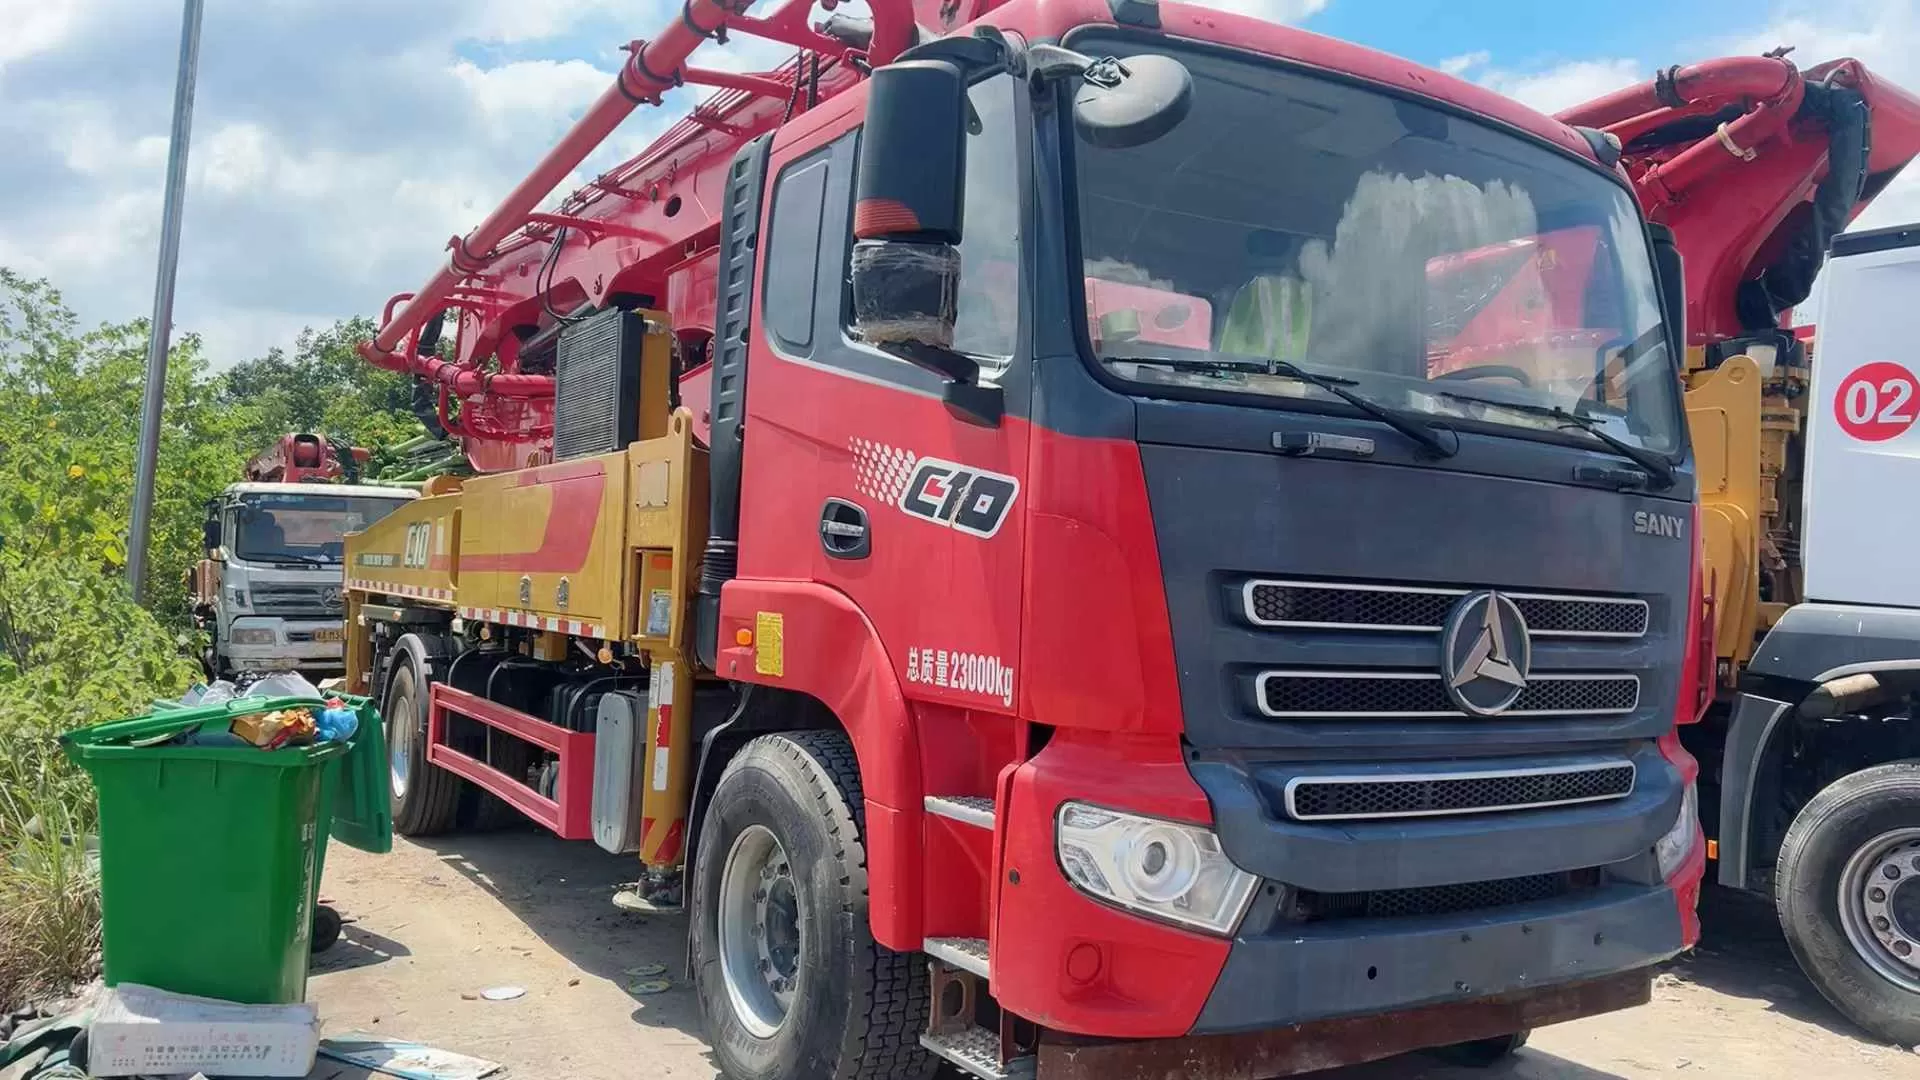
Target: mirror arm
964,395
1046,63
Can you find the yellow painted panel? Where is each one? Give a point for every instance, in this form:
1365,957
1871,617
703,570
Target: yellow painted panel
407,553
666,516
548,540
1724,418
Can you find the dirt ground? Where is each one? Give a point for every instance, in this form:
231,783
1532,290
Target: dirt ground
434,925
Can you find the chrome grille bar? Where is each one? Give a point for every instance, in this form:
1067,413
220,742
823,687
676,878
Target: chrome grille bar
1323,605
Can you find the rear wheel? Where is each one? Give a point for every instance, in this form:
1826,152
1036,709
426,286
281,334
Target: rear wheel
791,983
1848,893
425,798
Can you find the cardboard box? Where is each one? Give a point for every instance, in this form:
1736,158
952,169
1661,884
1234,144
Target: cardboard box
140,1030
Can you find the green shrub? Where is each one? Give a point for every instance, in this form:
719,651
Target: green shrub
74,647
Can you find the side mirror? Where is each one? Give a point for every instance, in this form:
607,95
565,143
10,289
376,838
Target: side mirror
1673,284
907,220
210,534
908,207
1131,102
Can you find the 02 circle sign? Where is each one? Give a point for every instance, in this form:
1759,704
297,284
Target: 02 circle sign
1879,401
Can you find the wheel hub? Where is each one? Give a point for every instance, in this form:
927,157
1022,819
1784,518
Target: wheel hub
1880,905
759,931
398,751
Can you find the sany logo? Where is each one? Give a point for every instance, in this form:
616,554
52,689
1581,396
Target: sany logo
971,500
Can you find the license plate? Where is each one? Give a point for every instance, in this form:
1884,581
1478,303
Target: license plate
329,635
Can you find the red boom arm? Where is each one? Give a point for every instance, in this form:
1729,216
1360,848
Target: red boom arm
1729,153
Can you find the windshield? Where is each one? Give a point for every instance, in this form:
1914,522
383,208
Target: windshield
289,527
1441,265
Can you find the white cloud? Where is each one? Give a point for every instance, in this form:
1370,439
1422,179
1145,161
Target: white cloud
1465,62
35,26
1556,88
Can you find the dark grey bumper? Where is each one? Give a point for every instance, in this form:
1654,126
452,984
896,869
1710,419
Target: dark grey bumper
1355,856
1293,973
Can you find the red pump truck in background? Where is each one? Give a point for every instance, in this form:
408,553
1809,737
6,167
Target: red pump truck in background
1104,539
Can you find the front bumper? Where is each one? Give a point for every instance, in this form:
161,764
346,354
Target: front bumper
1075,965
294,646
1329,1044
1289,973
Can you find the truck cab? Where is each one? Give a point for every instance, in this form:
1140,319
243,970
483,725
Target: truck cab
269,594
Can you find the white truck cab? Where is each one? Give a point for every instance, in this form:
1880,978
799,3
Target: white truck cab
269,592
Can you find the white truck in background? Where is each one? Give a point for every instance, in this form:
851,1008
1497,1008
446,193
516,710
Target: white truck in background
269,591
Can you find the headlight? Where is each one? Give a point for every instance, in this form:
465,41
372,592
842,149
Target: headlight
238,597
255,636
1672,849
1159,868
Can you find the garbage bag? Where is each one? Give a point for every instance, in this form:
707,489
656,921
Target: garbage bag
284,684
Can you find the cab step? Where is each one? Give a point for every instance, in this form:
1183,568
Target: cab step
969,809
976,1052
966,953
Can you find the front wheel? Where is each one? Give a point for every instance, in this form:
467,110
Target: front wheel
791,983
1848,894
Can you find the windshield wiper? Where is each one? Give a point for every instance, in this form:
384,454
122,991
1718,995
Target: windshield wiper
308,560
1417,430
1658,468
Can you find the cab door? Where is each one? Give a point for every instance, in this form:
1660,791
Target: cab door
859,475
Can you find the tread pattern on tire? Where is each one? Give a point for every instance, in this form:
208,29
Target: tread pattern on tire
433,794
890,992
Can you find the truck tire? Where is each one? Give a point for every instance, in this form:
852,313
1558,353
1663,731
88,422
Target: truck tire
791,984
1848,892
425,798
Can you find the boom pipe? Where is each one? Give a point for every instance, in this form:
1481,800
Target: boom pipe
651,70
1727,79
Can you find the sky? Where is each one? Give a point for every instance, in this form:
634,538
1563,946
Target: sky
338,143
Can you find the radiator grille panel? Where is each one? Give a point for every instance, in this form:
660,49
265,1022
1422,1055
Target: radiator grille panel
596,394
1356,798
1326,694
1383,607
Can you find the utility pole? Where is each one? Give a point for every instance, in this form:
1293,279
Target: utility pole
161,331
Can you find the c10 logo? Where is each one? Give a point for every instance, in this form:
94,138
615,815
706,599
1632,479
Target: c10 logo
971,500
419,534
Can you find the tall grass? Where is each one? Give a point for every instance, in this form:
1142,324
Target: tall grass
49,895
74,651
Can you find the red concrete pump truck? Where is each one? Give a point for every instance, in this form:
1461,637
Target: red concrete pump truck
1102,538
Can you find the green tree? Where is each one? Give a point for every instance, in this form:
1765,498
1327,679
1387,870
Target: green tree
323,385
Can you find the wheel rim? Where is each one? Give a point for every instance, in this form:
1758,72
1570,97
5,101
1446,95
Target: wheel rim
760,936
399,750
1880,906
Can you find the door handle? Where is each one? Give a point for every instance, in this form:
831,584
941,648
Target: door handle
843,530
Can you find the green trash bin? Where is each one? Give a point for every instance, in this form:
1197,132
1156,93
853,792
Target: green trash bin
210,857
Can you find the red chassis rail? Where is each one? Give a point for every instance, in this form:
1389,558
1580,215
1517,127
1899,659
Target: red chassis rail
569,814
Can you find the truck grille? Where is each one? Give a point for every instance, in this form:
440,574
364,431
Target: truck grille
297,601
1328,606
1333,694
1440,899
1351,798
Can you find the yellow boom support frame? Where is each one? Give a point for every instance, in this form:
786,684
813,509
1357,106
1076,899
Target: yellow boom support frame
600,553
